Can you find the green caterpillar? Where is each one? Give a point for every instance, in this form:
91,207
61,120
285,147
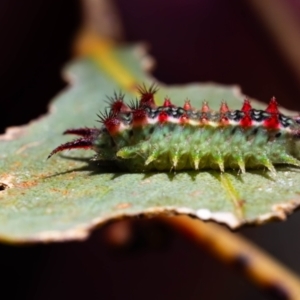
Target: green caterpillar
143,137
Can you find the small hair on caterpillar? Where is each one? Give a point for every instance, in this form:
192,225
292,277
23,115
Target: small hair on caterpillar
142,136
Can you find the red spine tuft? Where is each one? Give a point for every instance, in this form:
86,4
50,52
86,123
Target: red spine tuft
246,106
139,117
112,124
147,95
118,106
273,106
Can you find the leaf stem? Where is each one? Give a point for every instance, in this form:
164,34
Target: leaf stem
102,17
259,267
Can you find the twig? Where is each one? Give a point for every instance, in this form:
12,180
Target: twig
264,271
102,18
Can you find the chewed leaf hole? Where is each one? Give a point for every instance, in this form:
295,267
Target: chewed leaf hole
3,186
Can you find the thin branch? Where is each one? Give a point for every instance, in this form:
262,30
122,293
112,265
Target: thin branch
102,18
264,271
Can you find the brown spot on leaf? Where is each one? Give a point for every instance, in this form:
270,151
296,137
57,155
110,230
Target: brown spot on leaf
241,203
123,205
7,180
196,193
27,184
15,166
70,177
61,191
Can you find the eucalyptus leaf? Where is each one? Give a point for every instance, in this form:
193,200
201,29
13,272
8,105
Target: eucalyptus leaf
68,195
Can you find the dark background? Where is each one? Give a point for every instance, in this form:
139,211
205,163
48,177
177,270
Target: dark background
220,41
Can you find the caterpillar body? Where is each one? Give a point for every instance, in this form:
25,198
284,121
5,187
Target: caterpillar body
142,136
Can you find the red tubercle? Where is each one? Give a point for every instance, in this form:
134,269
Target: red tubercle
204,119
183,119
168,103
205,108
246,106
223,121
246,121
187,105
163,117
224,107
273,106
272,122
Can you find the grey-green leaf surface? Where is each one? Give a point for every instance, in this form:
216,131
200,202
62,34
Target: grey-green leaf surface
67,196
